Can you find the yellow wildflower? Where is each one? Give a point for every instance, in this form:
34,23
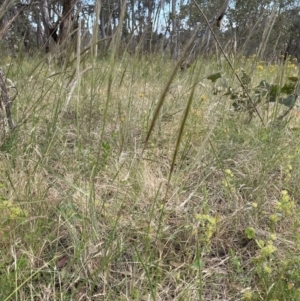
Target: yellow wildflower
260,67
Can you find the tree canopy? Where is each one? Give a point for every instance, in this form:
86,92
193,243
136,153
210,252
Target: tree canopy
264,28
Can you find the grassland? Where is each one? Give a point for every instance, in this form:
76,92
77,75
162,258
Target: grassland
207,209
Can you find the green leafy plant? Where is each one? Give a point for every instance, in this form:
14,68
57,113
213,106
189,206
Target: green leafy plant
245,98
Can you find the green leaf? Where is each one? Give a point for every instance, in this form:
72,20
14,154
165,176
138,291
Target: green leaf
214,77
288,101
246,79
264,84
234,96
235,106
293,78
288,88
274,91
250,232
263,88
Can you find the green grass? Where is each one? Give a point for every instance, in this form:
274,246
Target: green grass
206,210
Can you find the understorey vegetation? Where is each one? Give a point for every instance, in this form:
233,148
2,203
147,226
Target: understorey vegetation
115,185
134,172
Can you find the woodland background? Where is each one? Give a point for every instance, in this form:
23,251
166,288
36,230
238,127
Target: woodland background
265,28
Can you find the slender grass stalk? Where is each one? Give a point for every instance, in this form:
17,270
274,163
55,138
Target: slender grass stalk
150,283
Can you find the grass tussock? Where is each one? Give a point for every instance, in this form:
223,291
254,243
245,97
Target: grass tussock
91,212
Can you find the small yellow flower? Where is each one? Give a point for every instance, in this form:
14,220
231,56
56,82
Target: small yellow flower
228,181
268,250
292,66
142,95
267,269
260,67
11,210
247,295
208,224
203,97
229,173
254,205
274,218
285,204
260,243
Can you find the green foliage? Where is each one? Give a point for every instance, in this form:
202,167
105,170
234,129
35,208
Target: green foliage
247,97
250,232
206,210
214,77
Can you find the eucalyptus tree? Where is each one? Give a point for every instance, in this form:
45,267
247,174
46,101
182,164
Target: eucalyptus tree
288,27
202,22
59,20
14,23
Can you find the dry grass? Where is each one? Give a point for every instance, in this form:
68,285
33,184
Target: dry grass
86,214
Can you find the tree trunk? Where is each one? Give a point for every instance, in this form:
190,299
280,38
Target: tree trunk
66,23
149,27
174,45
50,28
102,27
96,27
39,35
